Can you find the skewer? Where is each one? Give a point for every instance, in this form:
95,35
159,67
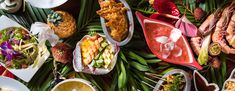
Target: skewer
147,84
155,76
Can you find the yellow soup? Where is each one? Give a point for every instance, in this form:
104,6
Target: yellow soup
73,86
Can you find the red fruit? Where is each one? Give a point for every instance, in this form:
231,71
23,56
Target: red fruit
62,53
198,13
166,6
215,62
160,35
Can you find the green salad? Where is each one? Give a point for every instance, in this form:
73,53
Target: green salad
18,48
174,82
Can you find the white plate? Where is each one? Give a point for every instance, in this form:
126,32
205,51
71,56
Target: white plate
46,3
27,73
12,84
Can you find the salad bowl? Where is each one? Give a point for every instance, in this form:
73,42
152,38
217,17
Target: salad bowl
21,68
98,64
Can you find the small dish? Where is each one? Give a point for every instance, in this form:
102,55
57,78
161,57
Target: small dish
187,85
231,79
12,84
106,30
80,65
200,83
75,84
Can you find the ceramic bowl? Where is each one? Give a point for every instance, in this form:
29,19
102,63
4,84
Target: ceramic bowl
231,78
106,30
79,81
78,64
176,71
203,83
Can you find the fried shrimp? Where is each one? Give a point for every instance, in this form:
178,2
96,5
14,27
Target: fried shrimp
219,31
115,15
230,37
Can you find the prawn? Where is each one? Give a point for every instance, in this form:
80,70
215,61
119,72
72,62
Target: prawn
219,31
204,29
230,37
208,25
195,43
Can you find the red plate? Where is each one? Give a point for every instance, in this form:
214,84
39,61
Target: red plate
167,42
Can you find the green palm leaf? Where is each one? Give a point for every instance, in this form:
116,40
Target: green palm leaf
87,20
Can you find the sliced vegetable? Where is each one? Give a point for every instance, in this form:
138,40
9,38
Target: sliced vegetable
203,55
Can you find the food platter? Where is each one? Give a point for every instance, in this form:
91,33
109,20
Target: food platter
117,45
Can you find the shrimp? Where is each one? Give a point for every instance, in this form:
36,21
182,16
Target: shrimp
205,28
219,31
230,37
207,25
196,44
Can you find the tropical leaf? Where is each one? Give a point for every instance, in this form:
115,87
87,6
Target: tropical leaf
87,20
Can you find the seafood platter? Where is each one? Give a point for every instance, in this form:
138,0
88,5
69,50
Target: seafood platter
117,45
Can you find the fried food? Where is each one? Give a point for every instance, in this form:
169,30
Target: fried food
230,85
62,23
115,15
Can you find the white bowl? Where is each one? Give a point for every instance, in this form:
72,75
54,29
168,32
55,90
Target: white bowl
78,64
130,25
79,80
231,78
175,71
12,84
